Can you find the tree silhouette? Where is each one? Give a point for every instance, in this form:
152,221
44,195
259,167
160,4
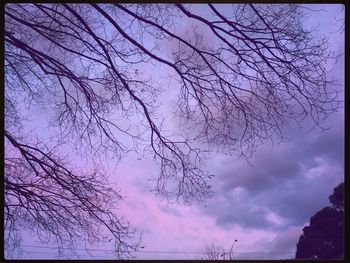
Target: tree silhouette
324,238
213,252
85,65
337,198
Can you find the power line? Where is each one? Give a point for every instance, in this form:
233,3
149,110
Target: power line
39,252
169,252
90,249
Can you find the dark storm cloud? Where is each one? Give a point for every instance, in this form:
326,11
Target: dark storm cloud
266,172
245,216
293,182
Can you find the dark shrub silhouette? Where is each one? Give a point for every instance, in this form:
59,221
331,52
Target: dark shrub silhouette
324,237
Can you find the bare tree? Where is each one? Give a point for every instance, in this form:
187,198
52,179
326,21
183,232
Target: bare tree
85,63
213,252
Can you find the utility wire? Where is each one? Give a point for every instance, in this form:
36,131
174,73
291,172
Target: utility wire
159,251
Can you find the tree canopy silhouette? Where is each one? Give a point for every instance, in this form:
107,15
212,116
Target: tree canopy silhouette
88,67
324,237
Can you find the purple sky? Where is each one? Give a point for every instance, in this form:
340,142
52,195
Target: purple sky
263,205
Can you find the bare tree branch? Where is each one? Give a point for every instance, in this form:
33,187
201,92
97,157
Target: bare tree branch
213,252
86,65
43,194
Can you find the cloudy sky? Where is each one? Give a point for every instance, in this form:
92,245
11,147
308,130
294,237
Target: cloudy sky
264,204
